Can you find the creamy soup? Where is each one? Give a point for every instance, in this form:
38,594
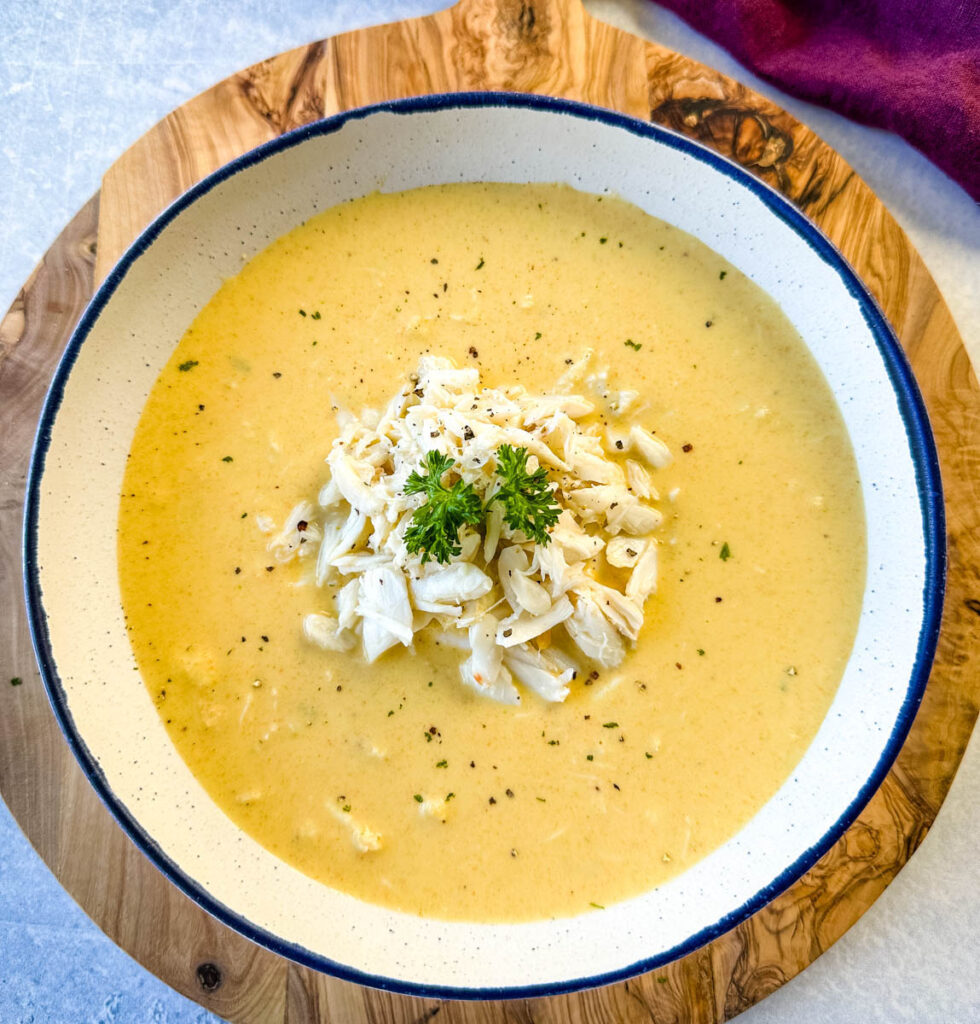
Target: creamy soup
550,808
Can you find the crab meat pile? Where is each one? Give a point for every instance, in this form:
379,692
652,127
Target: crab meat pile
534,613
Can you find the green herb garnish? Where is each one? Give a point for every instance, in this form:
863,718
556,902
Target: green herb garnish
527,499
442,764
227,458
725,553
417,798
529,503
16,681
189,365
435,526
610,725
630,343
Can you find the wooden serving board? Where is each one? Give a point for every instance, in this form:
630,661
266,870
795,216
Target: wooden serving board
541,46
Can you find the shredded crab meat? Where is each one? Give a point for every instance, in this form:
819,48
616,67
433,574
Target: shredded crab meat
522,612
363,838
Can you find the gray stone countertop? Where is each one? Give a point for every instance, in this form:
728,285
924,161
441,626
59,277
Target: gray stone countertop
80,81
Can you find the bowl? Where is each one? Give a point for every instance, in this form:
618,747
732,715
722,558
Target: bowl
127,334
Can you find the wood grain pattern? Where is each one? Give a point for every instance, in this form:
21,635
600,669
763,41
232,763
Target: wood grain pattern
542,46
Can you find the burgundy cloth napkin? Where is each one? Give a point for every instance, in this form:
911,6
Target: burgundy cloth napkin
910,66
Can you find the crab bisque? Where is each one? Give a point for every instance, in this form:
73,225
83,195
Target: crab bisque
675,639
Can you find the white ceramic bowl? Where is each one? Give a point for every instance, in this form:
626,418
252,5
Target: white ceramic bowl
126,336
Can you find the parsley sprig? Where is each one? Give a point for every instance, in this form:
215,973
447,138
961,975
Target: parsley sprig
527,499
529,502
435,526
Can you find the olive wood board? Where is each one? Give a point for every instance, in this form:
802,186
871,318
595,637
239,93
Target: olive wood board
539,46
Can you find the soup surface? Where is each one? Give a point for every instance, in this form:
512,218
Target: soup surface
556,808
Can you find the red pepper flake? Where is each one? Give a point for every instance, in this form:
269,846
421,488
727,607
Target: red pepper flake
678,664
473,352
717,600
687,448
302,525
493,800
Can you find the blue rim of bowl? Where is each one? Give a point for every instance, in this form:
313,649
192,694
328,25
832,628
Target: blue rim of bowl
921,446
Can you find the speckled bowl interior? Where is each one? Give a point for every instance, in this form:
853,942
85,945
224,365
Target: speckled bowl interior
126,337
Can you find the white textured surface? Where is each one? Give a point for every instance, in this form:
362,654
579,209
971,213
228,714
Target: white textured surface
79,82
